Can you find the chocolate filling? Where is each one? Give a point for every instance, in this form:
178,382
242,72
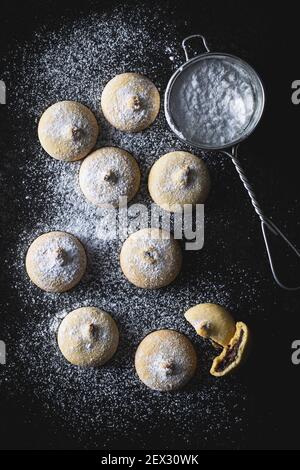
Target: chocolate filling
230,355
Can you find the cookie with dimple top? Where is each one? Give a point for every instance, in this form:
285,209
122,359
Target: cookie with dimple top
109,174
178,178
165,360
56,261
151,258
130,102
88,337
68,130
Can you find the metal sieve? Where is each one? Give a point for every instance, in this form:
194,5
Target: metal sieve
228,147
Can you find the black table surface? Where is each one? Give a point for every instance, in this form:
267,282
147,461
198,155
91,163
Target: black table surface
265,37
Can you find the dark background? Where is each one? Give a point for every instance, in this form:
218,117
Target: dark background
267,38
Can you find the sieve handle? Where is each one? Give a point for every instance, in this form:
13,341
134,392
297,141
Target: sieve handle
266,223
187,39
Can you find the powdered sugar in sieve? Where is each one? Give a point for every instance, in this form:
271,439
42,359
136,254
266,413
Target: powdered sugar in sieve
213,101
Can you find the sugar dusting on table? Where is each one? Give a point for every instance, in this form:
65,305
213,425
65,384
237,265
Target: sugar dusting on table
98,407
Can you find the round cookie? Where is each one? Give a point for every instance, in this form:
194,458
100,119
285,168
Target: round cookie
178,178
165,360
56,261
88,337
151,258
68,131
108,174
130,102
212,321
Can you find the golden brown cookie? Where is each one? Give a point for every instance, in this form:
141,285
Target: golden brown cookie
56,261
130,102
165,360
151,258
109,174
178,178
88,337
233,354
212,321
68,131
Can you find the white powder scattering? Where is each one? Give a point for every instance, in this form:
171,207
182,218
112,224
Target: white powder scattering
100,408
212,102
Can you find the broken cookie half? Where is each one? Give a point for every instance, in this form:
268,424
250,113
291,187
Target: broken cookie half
214,322
233,354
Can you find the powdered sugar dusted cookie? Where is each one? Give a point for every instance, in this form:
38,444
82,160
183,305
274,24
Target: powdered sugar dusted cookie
178,178
68,130
165,360
151,258
88,336
109,174
56,261
130,102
